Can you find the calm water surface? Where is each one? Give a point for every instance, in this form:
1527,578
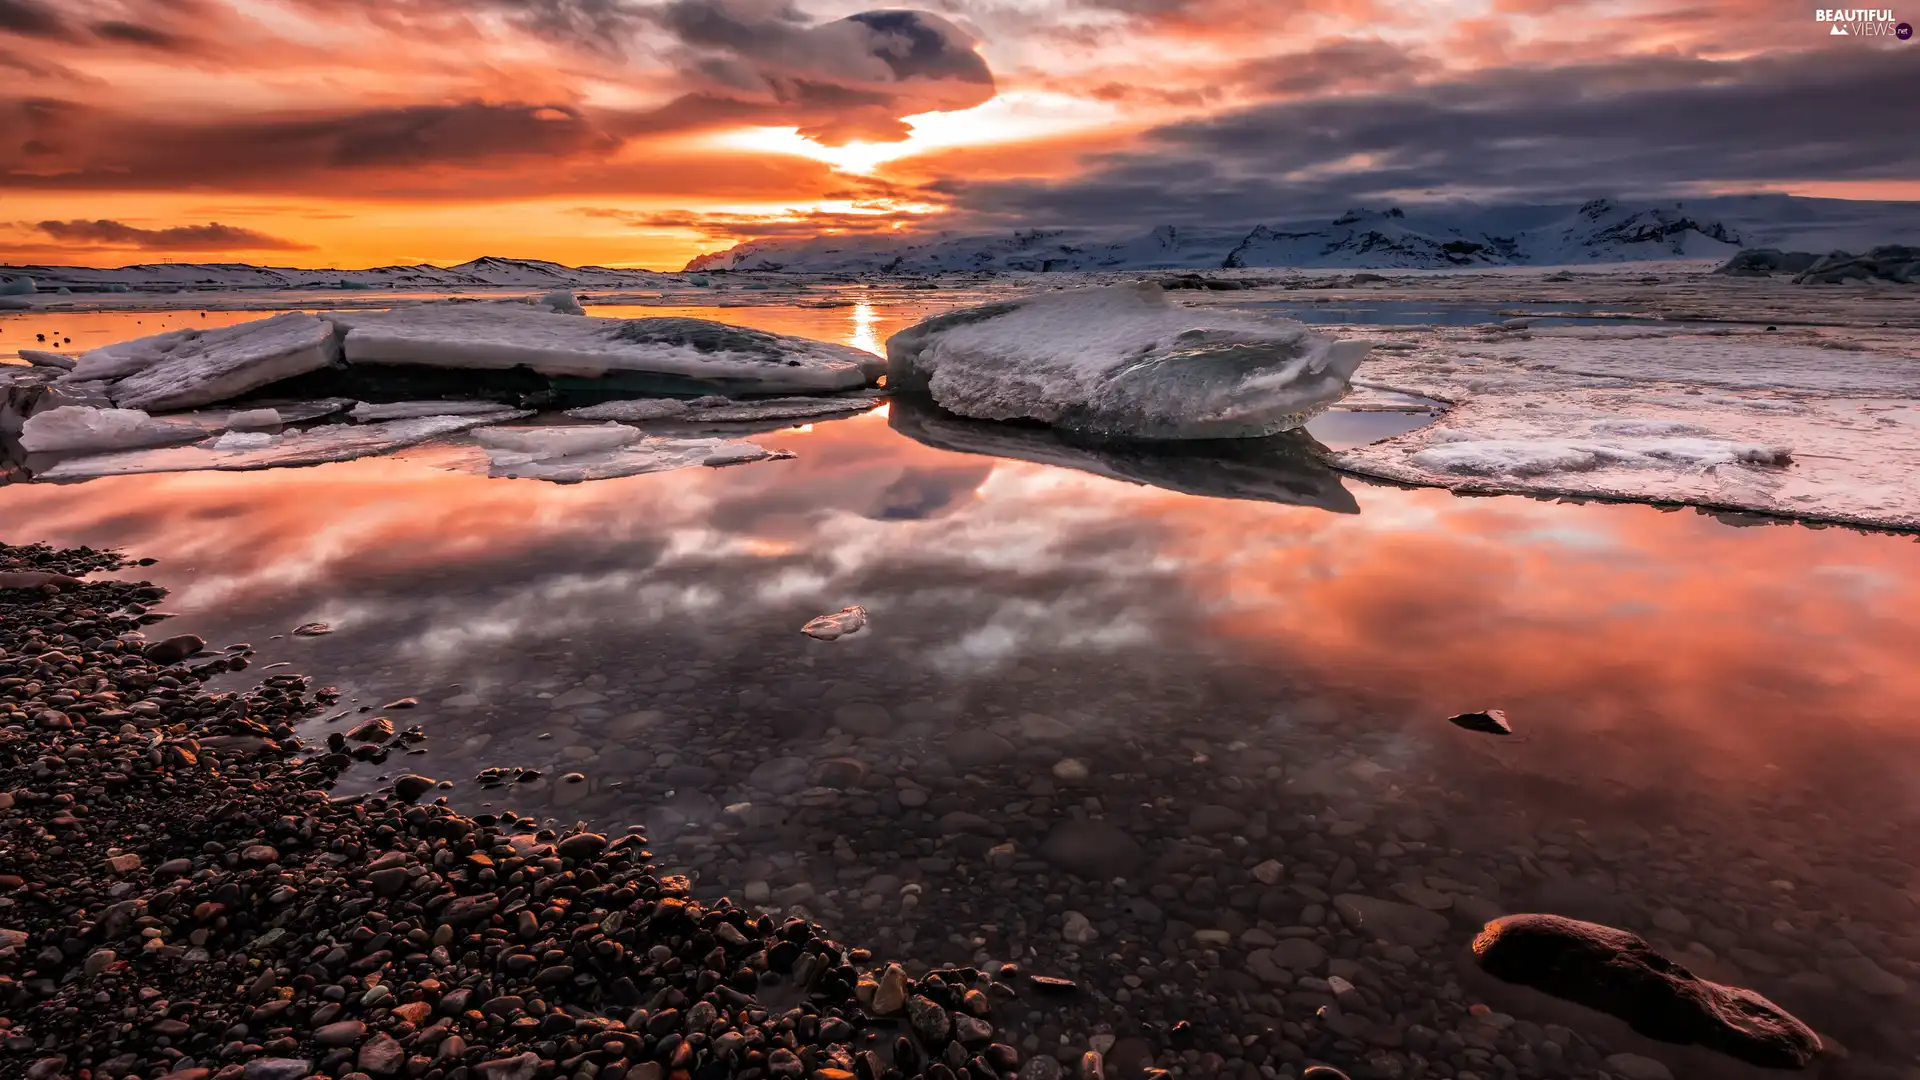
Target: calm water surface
1124,700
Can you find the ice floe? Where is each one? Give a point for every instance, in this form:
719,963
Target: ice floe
1821,424
331,442
82,429
1124,360
538,443
561,302
45,359
244,440
1284,468
570,454
255,420
716,409
182,369
407,410
676,352
91,429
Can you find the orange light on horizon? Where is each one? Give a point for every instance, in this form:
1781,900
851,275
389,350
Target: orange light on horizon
1011,117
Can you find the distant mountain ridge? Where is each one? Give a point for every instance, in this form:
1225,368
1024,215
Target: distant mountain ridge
1414,237
478,273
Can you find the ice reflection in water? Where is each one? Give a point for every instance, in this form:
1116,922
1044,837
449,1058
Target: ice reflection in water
1079,694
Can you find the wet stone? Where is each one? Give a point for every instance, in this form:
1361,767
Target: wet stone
1092,849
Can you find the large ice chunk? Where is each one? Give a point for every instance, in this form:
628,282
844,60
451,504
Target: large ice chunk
182,369
690,353
332,442
1124,360
72,429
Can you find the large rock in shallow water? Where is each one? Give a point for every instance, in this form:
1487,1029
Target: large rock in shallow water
1618,973
1124,361
184,369
683,353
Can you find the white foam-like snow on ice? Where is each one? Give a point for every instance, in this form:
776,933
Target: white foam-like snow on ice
1815,426
407,410
504,336
715,409
331,442
1124,360
182,369
72,429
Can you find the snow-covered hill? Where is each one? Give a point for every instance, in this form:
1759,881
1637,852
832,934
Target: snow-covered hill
516,273
1434,236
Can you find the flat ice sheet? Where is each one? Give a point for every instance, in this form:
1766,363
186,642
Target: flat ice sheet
73,429
407,410
502,336
1820,423
331,442
83,429
636,457
717,410
555,441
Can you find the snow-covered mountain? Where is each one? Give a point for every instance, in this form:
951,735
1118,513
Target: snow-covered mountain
490,271
1414,237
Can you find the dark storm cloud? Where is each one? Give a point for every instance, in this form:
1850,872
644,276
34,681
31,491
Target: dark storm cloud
31,18
736,227
852,78
209,237
1636,127
137,34
87,148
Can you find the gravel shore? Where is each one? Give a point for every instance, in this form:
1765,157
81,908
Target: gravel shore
183,897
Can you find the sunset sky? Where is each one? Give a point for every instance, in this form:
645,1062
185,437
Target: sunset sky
641,133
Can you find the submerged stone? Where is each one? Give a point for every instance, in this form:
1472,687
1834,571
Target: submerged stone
1617,972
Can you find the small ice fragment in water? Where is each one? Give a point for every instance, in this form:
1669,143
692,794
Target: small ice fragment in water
243,440
1490,722
849,620
254,420
84,429
43,358
312,629
542,443
561,302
